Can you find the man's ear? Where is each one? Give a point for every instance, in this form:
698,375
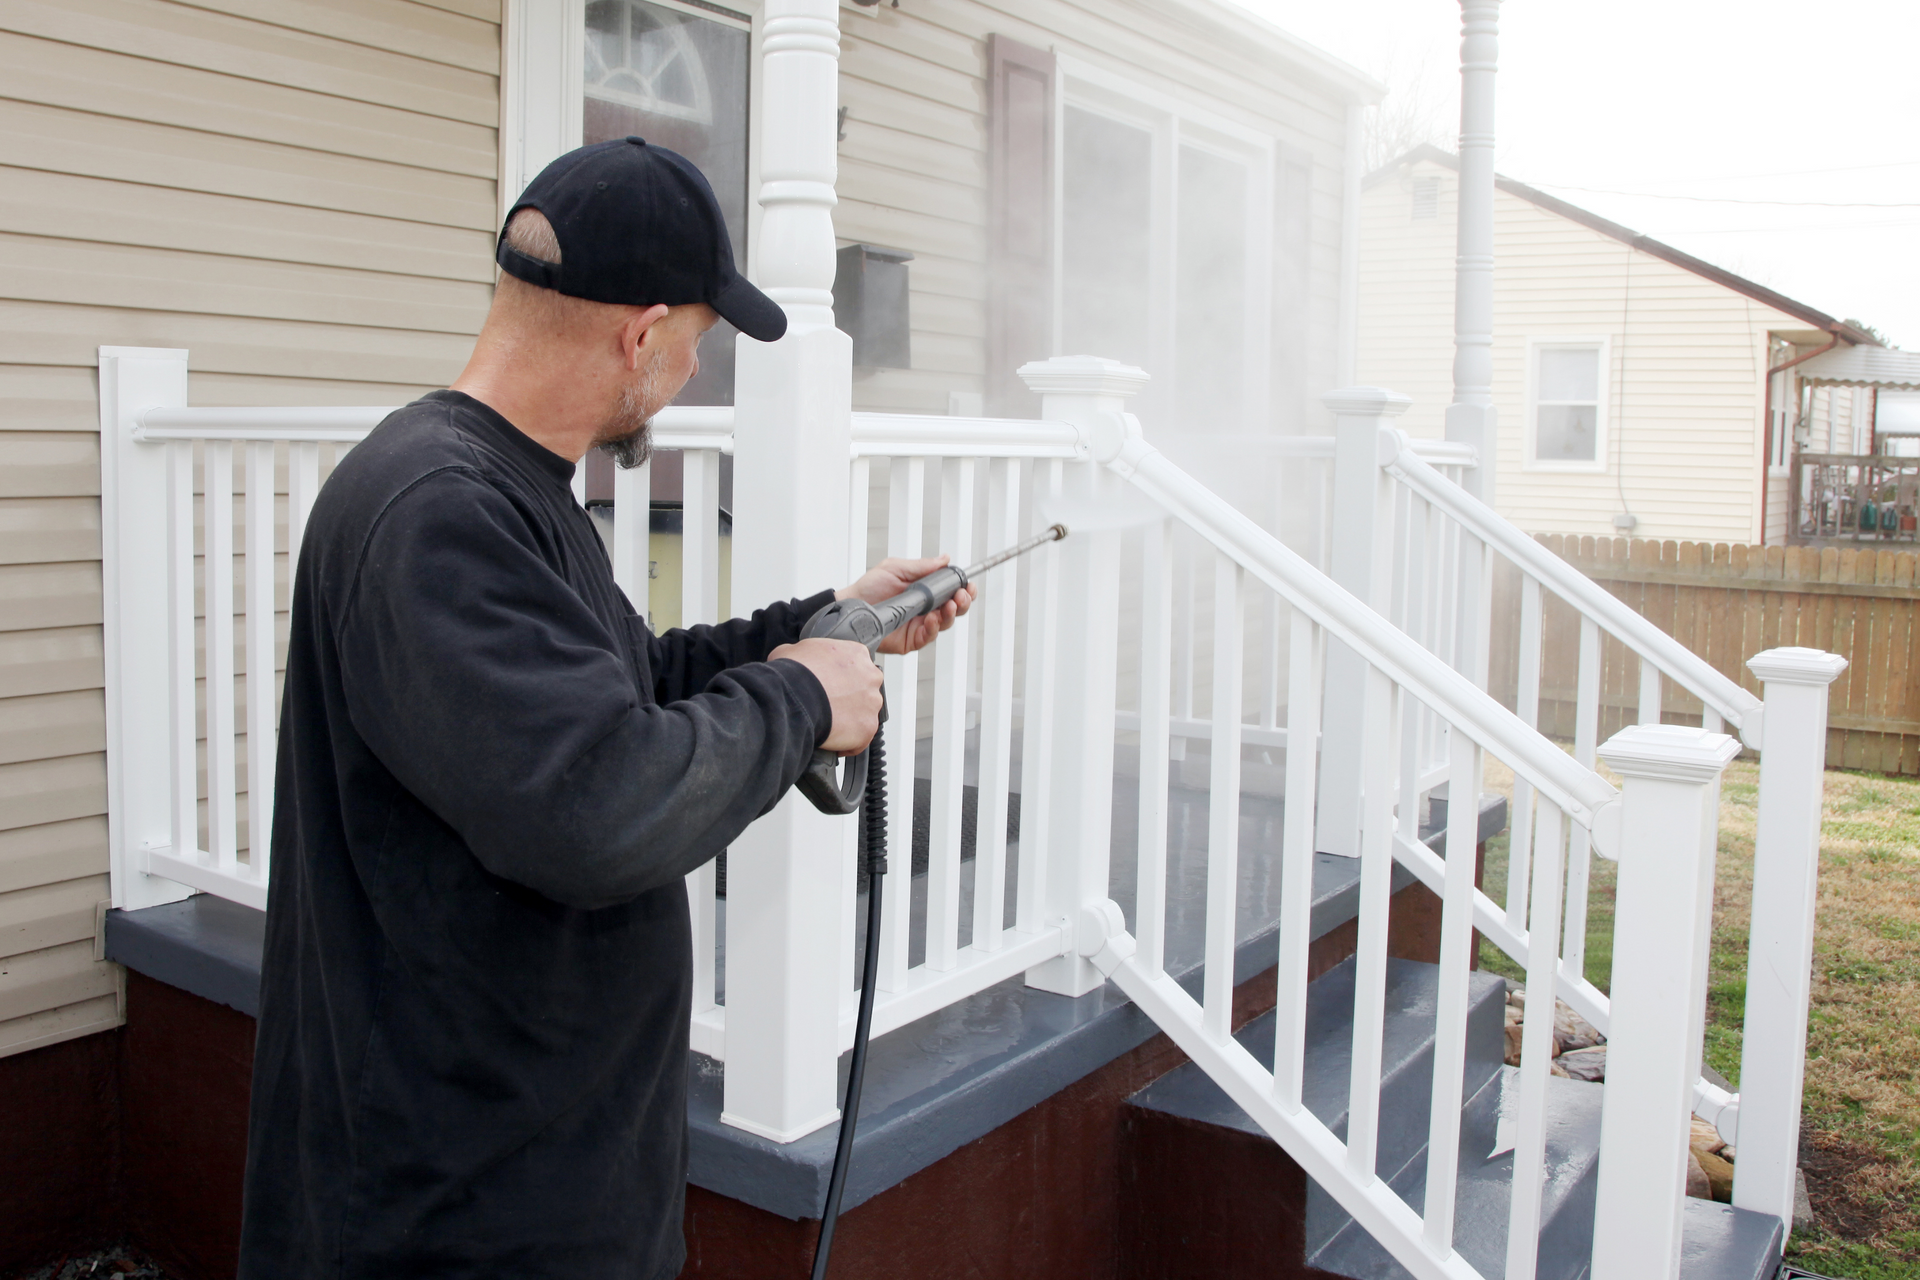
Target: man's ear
633,333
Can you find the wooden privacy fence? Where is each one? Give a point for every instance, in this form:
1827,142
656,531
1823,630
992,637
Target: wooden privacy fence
1727,603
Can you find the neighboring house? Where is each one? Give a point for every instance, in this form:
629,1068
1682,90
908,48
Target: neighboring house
304,196
1632,380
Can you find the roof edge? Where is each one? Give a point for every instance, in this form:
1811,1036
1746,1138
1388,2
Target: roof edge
1634,239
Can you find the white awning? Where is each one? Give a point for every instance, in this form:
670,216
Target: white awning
1863,367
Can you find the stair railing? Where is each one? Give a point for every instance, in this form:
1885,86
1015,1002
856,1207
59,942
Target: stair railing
1443,537
1666,814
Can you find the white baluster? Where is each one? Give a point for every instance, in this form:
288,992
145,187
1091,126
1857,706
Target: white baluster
1450,1018
860,498
186,735
906,515
700,538
1156,642
793,436
1536,1050
1223,799
952,662
1304,675
996,715
1370,957
262,686
1786,873
1037,706
1586,730
633,534
1527,704
216,508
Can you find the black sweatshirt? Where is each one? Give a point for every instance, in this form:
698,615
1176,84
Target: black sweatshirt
472,1052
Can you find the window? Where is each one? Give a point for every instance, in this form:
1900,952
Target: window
1567,411
1165,249
677,75
1426,198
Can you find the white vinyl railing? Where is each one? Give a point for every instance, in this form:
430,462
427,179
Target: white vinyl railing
1229,642
1442,543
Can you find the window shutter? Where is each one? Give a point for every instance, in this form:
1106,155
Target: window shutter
1020,221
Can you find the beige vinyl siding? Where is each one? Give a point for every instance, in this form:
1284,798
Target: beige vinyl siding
301,194
1685,386
913,166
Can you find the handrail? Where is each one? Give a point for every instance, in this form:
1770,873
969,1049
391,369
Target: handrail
1576,789
675,427
908,435
1735,705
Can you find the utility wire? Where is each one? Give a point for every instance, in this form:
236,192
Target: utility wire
1785,204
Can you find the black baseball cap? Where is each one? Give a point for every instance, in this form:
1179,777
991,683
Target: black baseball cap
638,225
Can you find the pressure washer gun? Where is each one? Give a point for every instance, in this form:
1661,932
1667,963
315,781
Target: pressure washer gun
854,619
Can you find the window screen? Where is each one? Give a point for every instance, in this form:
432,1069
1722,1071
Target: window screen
1106,249
1567,404
679,80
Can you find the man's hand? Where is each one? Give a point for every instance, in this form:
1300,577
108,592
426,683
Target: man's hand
852,682
888,579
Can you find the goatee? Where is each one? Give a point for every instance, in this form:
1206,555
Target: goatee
628,434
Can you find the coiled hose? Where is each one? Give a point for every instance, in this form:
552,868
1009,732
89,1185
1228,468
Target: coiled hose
873,817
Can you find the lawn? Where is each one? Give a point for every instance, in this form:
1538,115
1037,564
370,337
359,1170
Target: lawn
1861,1135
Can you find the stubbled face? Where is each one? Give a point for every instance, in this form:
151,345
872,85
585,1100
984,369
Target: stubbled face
674,343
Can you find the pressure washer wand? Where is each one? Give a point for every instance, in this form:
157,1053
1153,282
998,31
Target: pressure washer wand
866,789
824,783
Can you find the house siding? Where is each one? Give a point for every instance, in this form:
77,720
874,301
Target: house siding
302,195
1686,387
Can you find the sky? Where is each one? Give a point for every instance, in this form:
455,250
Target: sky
1780,141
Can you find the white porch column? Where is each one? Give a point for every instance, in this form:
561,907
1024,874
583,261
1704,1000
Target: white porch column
1091,393
1470,418
142,637
1361,560
1786,882
1664,831
792,441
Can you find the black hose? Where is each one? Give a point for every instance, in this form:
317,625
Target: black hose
874,818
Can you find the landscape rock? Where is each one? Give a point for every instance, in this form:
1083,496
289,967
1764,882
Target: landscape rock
1571,1031
1584,1064
1697,1185
1719,1176
1705,1137
1513,1044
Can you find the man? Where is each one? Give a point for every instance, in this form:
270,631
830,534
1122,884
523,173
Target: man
472,1055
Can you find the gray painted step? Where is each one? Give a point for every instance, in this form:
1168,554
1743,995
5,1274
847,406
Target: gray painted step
1406,1079
1722,1243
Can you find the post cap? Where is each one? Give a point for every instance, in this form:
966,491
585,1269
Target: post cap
1794,665
1366,402
1673,752
1083,375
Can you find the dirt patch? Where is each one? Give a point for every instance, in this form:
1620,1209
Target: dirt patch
1861,1195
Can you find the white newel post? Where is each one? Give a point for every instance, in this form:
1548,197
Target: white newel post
1091,393
1663,831
134,583
792,439
1470,418
1786,879
1361,560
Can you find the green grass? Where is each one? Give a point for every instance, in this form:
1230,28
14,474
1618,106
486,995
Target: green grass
1861,1114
